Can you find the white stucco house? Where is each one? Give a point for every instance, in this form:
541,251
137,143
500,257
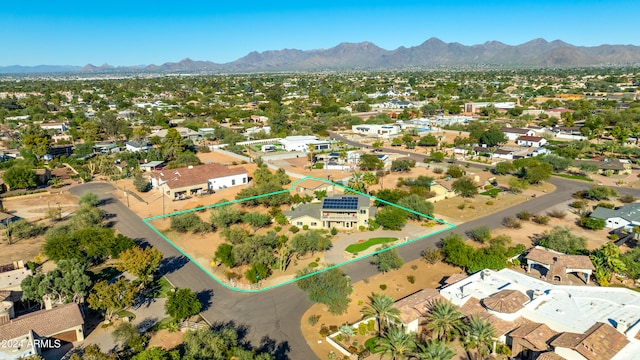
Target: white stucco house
626,216
197,180
302,143
531,141
378,130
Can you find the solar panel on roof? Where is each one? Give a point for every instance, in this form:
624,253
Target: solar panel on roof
344,203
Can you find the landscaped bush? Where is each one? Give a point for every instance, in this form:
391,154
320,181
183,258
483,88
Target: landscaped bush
606,205
592,223
294,229
411,279
189,222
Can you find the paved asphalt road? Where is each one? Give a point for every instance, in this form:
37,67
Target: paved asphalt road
273,317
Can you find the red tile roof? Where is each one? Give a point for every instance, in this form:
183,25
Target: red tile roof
506,301
195,175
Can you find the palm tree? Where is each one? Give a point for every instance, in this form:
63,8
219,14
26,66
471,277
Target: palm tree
356,183
369,178
480,336
434,350
381,307
396,343
444,320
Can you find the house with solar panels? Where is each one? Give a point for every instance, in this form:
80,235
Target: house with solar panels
342,212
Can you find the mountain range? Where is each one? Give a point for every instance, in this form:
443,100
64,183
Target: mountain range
433,53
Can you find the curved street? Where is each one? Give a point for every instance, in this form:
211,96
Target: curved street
273,317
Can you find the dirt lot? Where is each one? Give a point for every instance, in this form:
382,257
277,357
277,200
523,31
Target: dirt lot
453,211
398,286
32,208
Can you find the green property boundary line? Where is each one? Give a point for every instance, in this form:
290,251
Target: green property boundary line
448,227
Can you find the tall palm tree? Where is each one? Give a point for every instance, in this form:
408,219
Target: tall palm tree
397,343
480,336
444,320
434,350
381,307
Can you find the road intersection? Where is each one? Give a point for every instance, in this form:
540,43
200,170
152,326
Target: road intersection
273,317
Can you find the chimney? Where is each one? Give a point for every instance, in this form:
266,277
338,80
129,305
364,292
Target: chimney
622,326
47,302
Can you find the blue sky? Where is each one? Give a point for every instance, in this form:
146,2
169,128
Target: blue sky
138,32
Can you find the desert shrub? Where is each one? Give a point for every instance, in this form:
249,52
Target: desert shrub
462,206
578,204
313,319
627,199
541,219
411,279
558,214
432,255
489,202
524,215
480,234
294,229
613,237
383,287
334,231
511,222
305,227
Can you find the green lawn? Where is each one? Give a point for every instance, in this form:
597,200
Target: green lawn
358,247
574,177
493,192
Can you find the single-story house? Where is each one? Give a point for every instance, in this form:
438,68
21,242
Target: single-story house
152,165
57,126
616,165
379,130
137,145
303,143
626,216
185,133
309,187
197,180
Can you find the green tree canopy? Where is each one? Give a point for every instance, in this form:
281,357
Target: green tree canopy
182,303
392,218
563,240
388,260
417,203
20,177
331,288
492,137
465,187
68,282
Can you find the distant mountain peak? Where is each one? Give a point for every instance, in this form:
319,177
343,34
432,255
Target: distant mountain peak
367,55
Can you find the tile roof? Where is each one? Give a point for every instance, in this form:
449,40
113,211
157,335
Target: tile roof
550,356
506,301
417,305
43,322
194,175
312,210
600,342
548,257
538,335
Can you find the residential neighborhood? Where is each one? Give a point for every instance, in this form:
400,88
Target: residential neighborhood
189,206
